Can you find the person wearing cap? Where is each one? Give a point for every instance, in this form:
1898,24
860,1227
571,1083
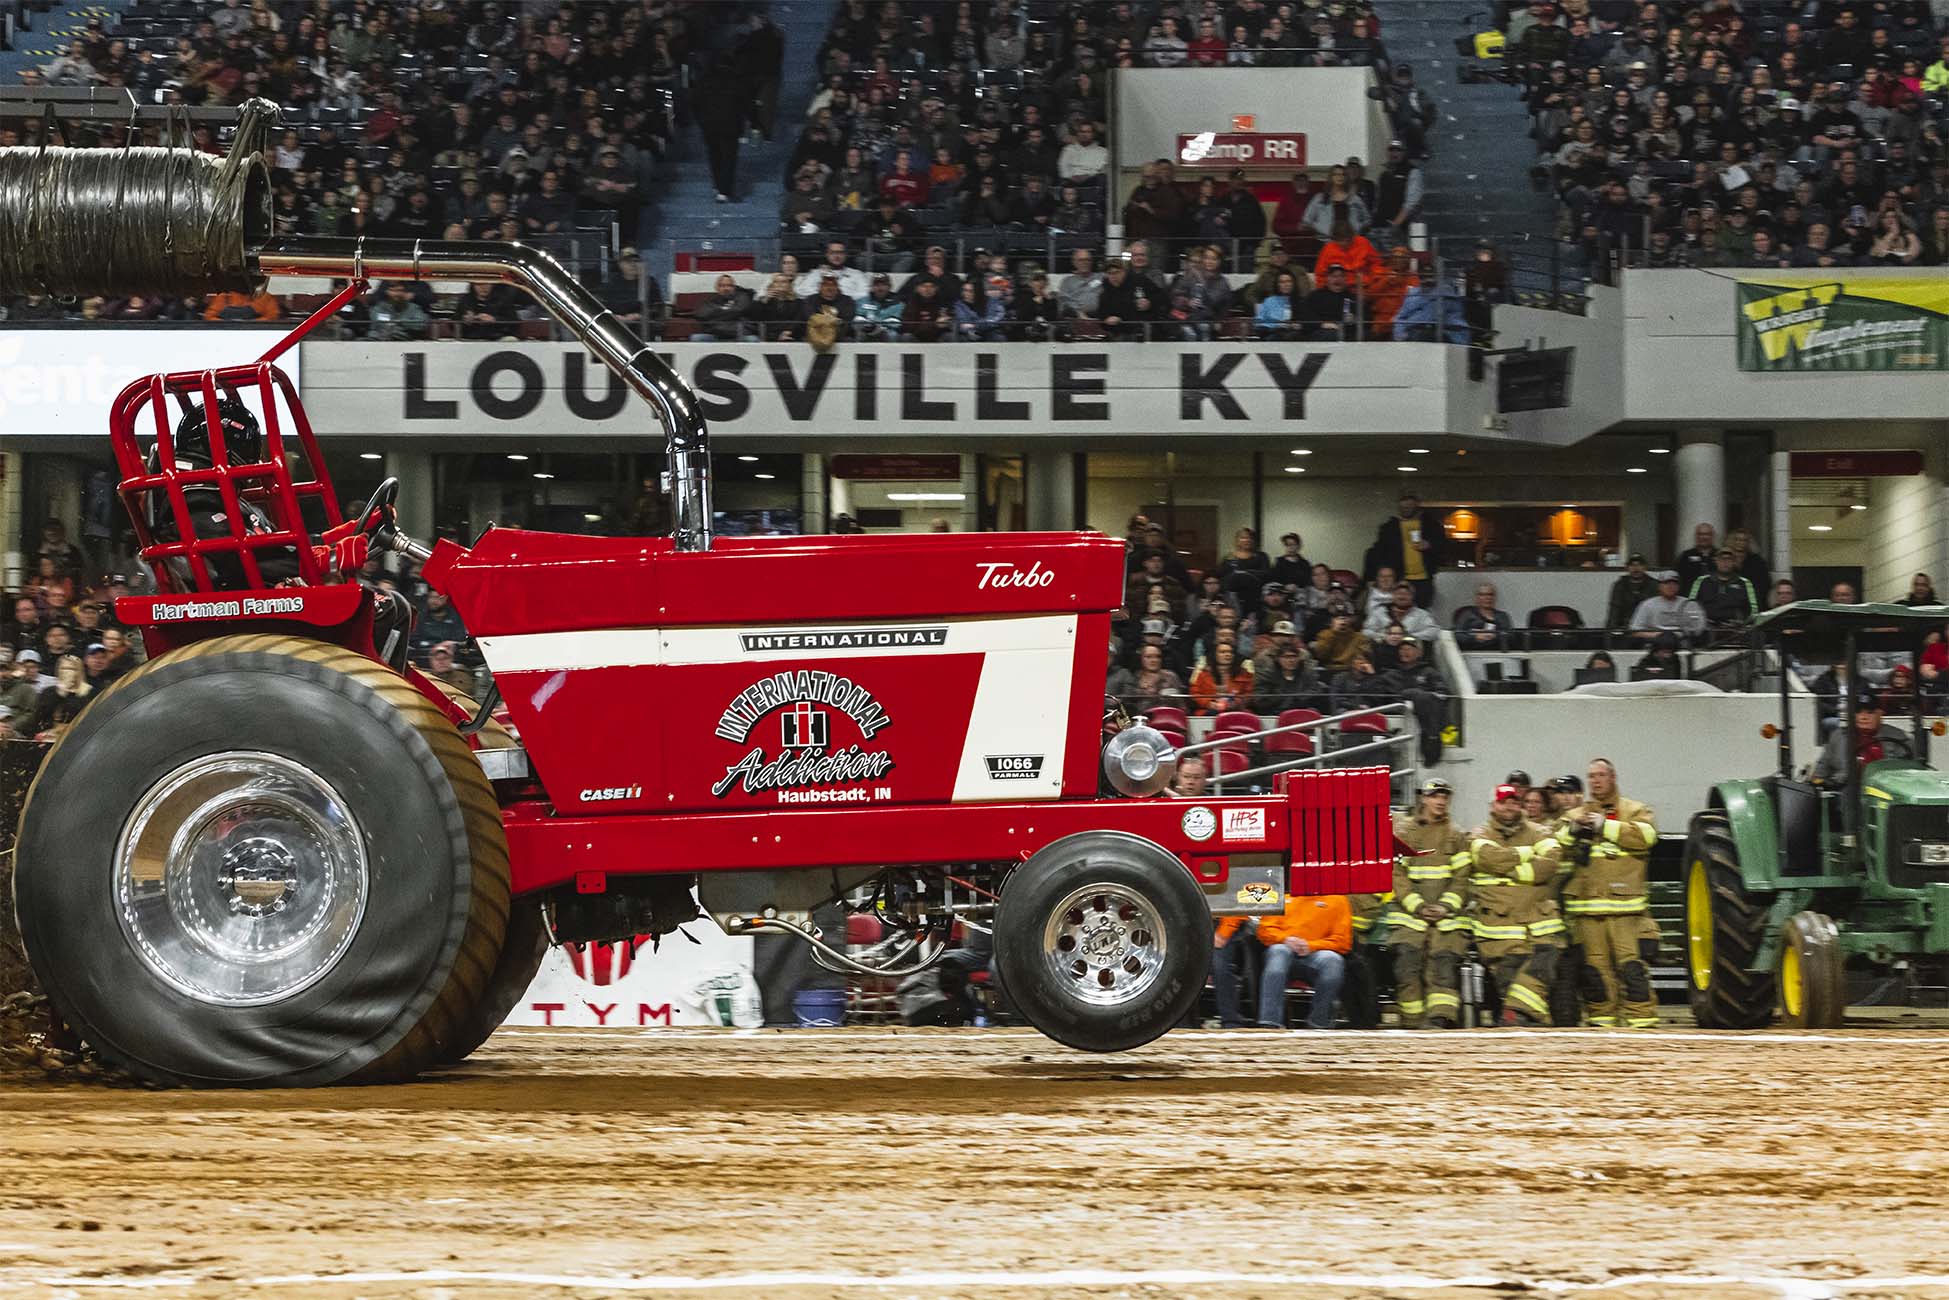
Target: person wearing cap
1847,750
1667,612
20,697
1275,606
1148,578
1513,907
1566,792
1725,595
1398,194
1428,926
1287,681
1630,591
877,316
1606,842
94,663
1416,681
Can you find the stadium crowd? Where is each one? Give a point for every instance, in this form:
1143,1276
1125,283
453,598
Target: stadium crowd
1721,133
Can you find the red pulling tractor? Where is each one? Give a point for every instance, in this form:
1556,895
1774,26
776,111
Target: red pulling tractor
277,855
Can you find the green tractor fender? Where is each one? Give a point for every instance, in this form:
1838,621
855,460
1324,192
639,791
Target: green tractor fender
1748,808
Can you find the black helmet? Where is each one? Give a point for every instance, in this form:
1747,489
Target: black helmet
1566,784
243,441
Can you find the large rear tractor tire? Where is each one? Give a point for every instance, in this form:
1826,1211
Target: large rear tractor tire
263,861
1813,973
1724,928
1102,940
523,949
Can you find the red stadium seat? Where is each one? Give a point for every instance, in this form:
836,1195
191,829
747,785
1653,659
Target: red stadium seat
1227,761
1177,738
1346,578
1237,720
1367,723
1165,715
1293,717
1290,742
1233,742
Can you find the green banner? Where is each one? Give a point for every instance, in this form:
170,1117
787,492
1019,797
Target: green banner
1796,321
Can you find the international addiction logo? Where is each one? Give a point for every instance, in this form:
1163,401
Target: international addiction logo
808,767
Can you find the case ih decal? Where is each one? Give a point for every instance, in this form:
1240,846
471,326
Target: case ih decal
807,763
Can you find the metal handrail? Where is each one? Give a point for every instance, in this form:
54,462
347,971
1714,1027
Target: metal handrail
1319,754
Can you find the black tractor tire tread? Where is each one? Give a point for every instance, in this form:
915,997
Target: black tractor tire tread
479,949
1736,997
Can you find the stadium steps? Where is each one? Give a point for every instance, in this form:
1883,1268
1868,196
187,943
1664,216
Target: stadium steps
51,33
688,216
1478,177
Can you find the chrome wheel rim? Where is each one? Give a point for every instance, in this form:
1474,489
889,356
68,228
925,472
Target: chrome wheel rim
241,878
1104,944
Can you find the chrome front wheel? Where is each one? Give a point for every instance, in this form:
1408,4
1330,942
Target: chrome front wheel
1107,941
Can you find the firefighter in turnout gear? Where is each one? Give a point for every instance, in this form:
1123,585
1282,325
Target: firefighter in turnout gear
1513,908
1605,843
1428,926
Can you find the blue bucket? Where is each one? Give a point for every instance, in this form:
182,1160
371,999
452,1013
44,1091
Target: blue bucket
820,1008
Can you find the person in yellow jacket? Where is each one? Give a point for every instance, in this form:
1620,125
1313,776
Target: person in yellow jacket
1608,900
1311,940
1428,926
1513,908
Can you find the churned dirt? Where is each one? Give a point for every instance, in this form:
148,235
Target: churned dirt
892,1162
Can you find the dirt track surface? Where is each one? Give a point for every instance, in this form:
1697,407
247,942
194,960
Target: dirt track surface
939,1163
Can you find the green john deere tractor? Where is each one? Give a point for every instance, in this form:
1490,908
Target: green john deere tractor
1793,878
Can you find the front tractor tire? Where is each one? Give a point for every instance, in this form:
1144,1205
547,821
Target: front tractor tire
1102,940
263,861
1724,928
1813,973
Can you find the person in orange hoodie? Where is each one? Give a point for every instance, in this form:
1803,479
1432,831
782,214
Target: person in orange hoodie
1353,251
1311,940
1388,287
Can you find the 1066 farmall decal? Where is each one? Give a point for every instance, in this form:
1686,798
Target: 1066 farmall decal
807,766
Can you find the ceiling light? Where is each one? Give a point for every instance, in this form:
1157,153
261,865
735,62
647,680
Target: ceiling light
372,455
1661,451
543,474
1295,469
927,496
747,459
515,455
1637,469
1302,451
764,476
1820,528
591,519
1419,451
1408,469
1857,506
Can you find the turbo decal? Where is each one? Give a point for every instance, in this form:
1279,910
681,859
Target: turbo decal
804,686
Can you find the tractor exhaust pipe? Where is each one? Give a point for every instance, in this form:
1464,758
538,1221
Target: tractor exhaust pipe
687,482
170,222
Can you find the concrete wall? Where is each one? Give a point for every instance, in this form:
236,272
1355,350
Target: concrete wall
1156,105
1669,750
1908,531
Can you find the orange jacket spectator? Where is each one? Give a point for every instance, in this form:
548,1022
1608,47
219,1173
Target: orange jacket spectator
1358,255
1386,288
1211,696
241,306
1324,921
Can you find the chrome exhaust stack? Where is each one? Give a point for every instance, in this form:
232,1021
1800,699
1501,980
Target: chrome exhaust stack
168,221
687,482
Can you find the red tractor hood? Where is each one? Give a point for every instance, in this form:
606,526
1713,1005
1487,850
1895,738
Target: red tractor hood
515,582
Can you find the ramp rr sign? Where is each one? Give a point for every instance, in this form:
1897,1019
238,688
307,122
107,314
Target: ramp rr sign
1242,149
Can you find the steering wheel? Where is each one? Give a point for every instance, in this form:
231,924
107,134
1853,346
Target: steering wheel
379,504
